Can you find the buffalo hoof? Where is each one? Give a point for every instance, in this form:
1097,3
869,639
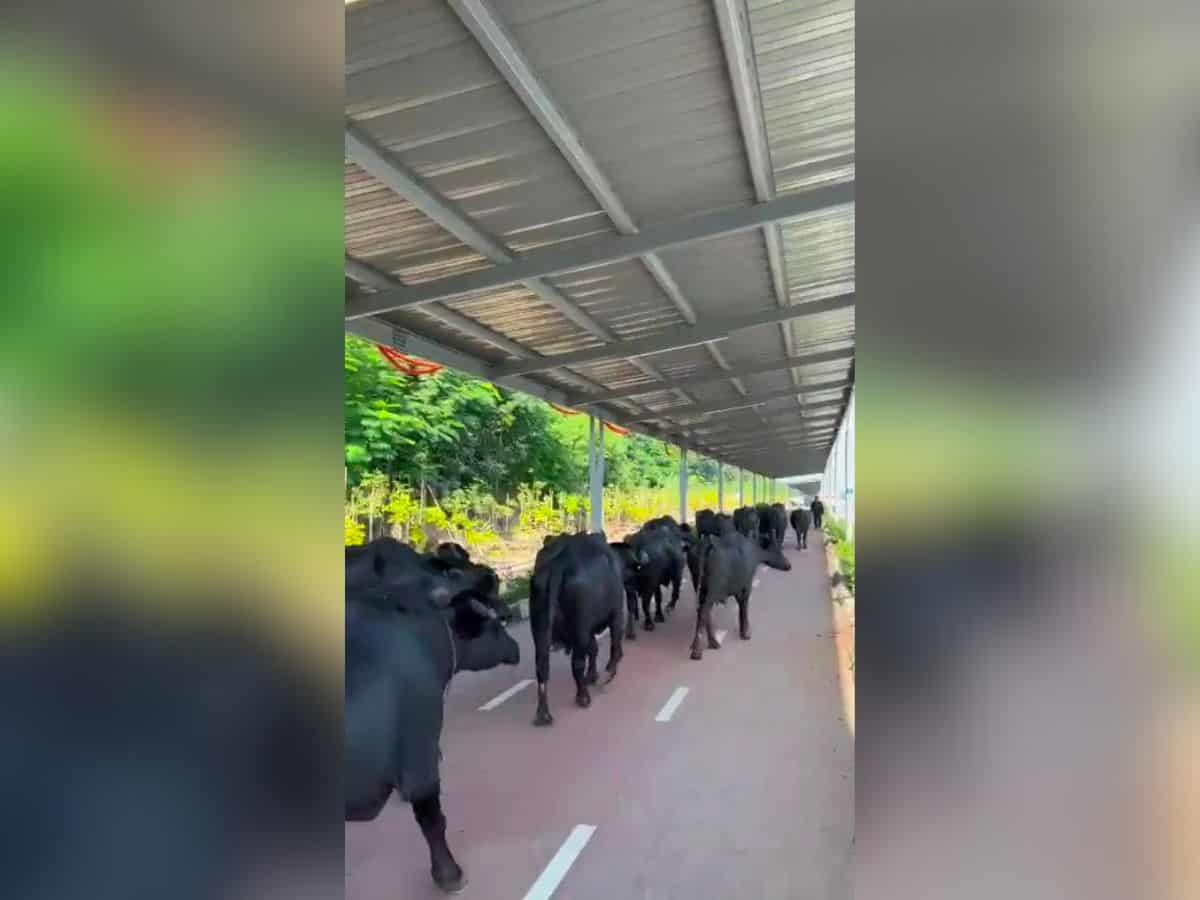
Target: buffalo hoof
659,617
649,625
631,633
745,634
591,677
583,700
452,881
697,653
714,644
543,719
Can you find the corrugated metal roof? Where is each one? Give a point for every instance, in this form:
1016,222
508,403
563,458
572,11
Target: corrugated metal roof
644,91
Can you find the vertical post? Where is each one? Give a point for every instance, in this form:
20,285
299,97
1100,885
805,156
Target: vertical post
754,488
596,472
846,472
741,486
683,484
720,486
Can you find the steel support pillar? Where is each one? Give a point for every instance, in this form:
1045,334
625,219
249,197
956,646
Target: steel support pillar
683,484
720,487
596,472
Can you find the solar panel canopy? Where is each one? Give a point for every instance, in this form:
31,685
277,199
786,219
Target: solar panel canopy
642,208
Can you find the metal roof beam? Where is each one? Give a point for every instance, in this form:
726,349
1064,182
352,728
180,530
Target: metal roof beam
365,273
501,47
727,405
385,166
500,44
767,442
677,338
737,40
705,378
777,423
590,254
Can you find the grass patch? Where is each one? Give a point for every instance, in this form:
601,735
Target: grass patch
835,529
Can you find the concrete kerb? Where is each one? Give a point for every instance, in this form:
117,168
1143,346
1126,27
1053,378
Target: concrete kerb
842,612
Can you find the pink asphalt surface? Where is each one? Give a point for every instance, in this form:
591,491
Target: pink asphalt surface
746,793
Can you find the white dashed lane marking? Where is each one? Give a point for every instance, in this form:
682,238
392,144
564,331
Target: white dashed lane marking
507,695
721,635
556,871
668,710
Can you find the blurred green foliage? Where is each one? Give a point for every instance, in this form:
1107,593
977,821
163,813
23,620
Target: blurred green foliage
163,271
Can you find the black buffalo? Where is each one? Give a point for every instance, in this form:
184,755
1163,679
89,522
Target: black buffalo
729,565
575,594
400,657
631,561
715,524
800,525
745,521
661,542
779,522
391,571
772,522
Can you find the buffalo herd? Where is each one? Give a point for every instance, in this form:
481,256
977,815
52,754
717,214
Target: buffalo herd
415,619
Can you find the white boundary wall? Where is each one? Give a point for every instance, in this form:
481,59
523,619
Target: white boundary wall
837,485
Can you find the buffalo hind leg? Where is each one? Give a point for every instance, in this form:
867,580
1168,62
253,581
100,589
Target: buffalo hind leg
447,874
713,643
593,651
743,601
631,610
578,669
615,650
676,583
647,619
542,657
703,605
658,610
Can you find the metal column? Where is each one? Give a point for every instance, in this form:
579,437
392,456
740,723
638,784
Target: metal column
754,488
720,486
741,487
683,484
596,472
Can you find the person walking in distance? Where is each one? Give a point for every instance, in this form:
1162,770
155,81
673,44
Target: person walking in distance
818,510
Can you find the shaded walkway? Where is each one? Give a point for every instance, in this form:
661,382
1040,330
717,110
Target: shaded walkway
746,792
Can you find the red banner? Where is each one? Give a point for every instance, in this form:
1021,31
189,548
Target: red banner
409,365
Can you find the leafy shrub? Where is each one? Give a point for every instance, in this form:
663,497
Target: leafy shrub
835,529
356,535
845,555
